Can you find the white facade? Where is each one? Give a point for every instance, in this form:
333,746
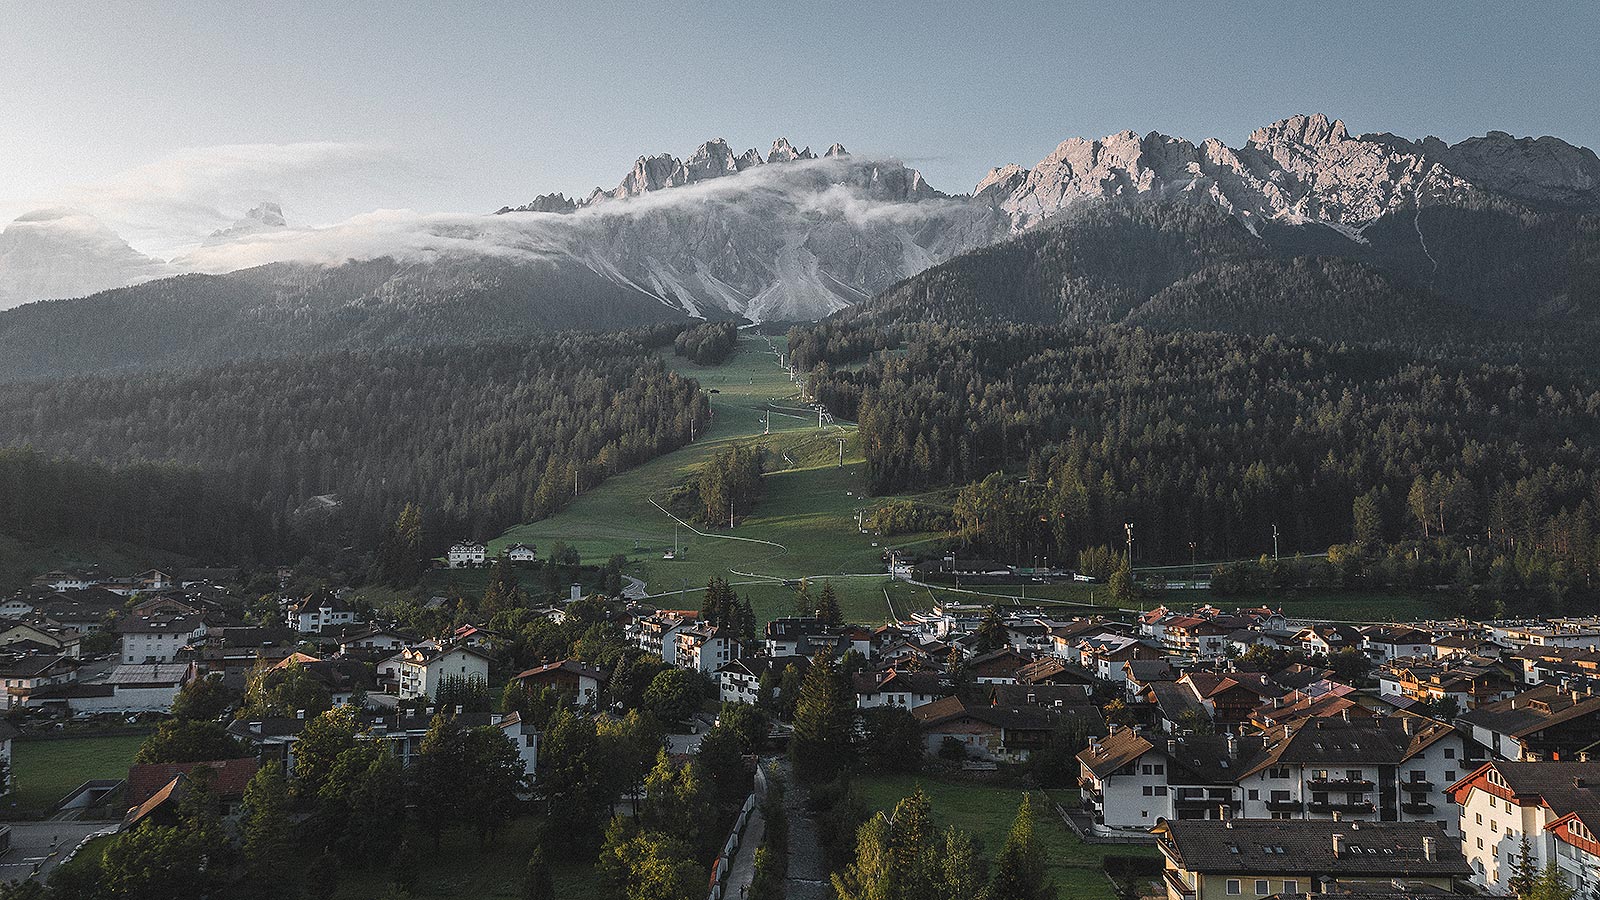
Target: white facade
158,642
420,673
466,555
1494,823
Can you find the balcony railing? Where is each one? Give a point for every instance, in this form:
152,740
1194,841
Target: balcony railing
1193,802
1283,805
1175,882
1416,785
1331,806
1418,809
1339,784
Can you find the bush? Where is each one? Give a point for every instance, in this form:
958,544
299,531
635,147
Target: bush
952,750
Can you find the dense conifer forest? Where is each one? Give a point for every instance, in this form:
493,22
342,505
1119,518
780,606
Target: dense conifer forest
479,437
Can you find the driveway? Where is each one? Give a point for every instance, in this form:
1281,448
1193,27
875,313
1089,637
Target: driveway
38,847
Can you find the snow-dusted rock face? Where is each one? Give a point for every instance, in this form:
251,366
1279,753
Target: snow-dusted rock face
791,237
261,219
1298,170
63,253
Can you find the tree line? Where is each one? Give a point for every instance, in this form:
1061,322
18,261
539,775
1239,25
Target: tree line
333,447
1061,436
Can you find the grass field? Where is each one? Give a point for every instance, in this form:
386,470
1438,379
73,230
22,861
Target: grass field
987,811
48,770
805,523
808,507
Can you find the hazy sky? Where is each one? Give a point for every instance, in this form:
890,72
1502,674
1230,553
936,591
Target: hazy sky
192,110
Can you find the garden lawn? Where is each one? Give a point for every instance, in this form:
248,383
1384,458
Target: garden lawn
986,812
48,770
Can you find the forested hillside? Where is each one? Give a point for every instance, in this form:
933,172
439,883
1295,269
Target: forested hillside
283,309
1215,439
480,437
158,505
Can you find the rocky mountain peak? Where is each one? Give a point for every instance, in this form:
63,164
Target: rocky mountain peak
783,151
1301,129
264,216
835,149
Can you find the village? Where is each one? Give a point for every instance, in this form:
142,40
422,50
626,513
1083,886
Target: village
1259,755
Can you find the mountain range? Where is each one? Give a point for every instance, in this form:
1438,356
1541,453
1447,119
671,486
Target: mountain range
1505,227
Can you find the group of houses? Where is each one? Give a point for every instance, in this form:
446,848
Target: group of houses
1382,754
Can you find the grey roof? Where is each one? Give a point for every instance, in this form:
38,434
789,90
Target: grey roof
1305,847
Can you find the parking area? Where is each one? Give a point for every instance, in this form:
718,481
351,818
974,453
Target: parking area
38,847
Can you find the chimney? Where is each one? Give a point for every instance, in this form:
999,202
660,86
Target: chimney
1338,845
1172,747
577,592
1345,715
1405,722
1428,852
1233,744
1336,815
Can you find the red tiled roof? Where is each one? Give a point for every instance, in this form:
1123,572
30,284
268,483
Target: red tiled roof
146,779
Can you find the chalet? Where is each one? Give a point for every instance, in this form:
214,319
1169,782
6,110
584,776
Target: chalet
375,640
422,669
61,580
906,690
41,635
801,636
1545,722
22,676
1213,860
1541,664
1470,682
740,680
1104,656
157,639
1195,637
1229,698
998,666
1130,781
1051,670
466,555
1386,643
570,676
1365,768
142,583
1326,640
1552,808
324,610
993,733
522,554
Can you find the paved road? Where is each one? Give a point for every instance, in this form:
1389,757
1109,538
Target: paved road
37,847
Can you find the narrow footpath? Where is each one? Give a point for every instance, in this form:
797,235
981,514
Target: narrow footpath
743,870
808,872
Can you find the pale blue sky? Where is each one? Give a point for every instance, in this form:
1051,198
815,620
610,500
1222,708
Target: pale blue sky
479,104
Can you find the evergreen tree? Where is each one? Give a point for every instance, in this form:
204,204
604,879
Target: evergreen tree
828,605
991,633
267,831
820,746
536,881
1019,868
504,591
